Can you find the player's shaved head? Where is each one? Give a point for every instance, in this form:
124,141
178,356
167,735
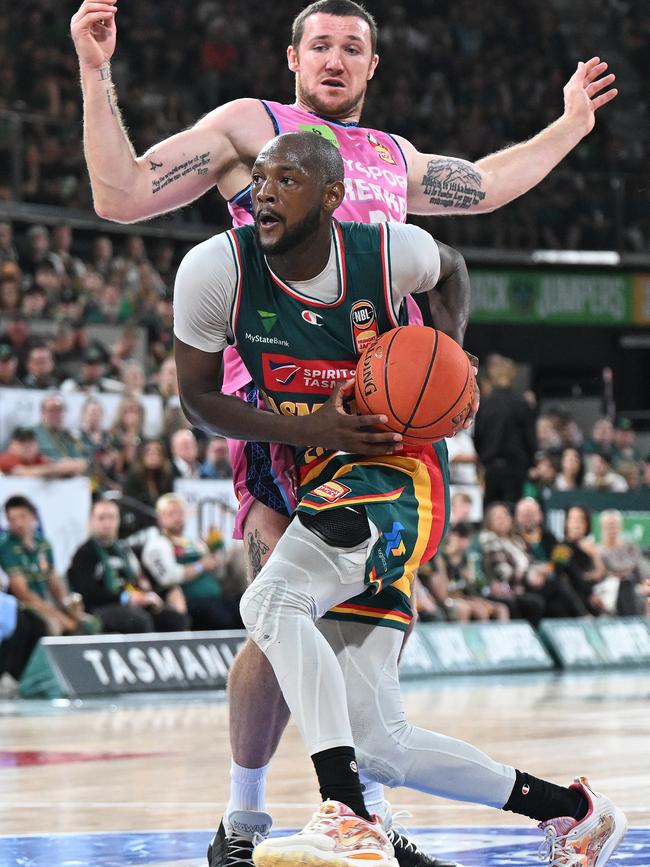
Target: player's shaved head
309,152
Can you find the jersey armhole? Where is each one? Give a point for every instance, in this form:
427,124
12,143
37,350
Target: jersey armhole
271,114
234,307
399,148
393,315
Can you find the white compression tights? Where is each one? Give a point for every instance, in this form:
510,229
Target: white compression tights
340,679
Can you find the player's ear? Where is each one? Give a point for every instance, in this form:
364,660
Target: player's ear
334,195
292,59
373,66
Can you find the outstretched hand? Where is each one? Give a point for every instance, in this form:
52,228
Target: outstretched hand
587,91
93,32
332,427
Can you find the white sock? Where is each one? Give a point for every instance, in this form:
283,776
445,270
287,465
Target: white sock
246,789
373,795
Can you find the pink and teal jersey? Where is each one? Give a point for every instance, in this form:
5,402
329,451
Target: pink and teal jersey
375,190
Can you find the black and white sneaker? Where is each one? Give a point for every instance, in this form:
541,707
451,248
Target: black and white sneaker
408,854
233,844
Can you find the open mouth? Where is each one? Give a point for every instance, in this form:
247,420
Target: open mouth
333,82
267,220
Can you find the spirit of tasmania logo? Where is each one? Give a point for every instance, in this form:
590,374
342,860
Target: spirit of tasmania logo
303,376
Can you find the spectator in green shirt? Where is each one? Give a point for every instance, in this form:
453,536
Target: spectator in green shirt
26,557
54,440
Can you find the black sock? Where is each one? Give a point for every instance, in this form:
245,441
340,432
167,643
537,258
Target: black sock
540,800
338,778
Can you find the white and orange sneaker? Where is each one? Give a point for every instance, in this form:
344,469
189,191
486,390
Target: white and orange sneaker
586,843
334,837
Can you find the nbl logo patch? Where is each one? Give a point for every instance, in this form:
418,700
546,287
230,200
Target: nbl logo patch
365,330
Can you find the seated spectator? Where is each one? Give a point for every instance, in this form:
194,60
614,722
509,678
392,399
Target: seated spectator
461,508
601,439
185,455
26,557
102,450
217,460
102,255
54,440
547,435
625,448
173,560
40,368
64,262
624,563
461,587
92,373
8,251
11,293
422,599
571,473
110,581
35,302
539,542
134,381
462,459
577,560
601,477
167,380
150,475
541,477
127,430
630,471
17,335
645,482
9,367
506,565
23,458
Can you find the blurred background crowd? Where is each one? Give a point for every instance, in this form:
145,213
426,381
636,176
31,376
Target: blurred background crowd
88,382
451,79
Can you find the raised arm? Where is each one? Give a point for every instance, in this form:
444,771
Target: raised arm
219,149
446,185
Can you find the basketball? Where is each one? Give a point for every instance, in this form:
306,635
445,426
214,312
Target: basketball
420,378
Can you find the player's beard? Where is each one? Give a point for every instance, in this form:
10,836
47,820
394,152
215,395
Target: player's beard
349,110
293,237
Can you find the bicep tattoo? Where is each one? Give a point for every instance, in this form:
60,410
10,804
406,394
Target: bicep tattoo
452,184
198,164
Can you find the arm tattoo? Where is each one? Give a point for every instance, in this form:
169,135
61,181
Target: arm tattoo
111,97
452,184
154,165
256,551
198,163
104,72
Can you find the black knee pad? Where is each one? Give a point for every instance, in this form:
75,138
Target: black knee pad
344,527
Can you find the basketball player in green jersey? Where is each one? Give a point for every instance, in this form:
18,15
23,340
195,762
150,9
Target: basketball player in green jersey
362,522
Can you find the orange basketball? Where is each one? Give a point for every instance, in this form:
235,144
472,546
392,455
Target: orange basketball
420,378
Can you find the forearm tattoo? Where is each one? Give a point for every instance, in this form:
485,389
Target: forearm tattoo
198,163
104,72
256,551
452,184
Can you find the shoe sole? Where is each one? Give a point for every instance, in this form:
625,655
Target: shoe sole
315,858
620,829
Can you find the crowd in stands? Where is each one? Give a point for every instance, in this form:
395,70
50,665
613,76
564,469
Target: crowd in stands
449,80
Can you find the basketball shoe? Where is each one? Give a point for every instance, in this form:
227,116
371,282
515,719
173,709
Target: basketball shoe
232,845
333,837
588,842
406,852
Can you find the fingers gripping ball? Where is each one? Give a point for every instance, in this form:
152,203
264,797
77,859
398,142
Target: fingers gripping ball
420,378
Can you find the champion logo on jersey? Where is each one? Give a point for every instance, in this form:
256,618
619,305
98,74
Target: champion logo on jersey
381,150
312,318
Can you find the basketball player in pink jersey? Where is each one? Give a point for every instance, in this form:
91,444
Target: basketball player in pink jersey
333,56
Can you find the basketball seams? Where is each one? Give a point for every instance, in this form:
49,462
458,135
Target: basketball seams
452,406
425,381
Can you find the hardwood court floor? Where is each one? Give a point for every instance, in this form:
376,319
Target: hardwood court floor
161,764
